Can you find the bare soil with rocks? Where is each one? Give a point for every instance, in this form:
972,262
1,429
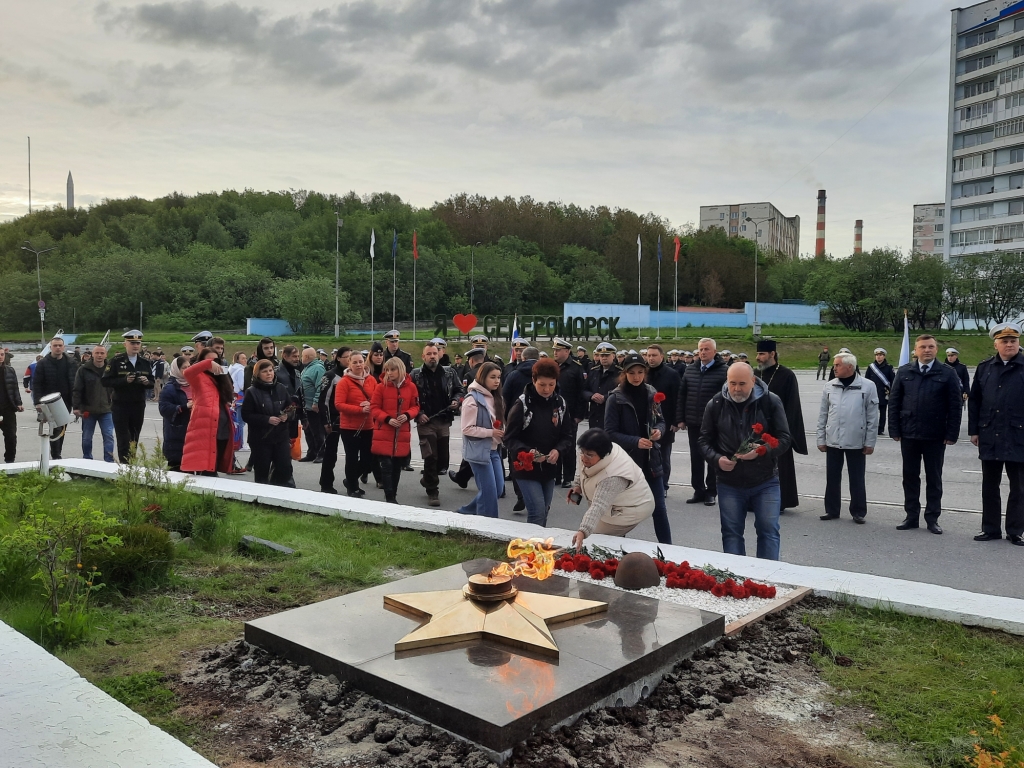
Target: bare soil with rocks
751,700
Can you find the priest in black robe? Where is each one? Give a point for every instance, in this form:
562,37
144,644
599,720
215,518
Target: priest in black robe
782,381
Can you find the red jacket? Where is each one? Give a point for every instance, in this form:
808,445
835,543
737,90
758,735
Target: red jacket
200,452
385,405
347,399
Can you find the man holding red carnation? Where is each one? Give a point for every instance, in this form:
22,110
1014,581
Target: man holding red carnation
744,431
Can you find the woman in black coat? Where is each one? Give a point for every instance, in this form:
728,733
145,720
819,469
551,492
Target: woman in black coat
538,424
267,408
633,419
176,408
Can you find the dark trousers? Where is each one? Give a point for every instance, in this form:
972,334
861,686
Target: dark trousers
883,409
567,460
391,472
358,459
128,421
822,371
991,477
315,435
702,474
465,473
662,529
434,445
272,462
856,462
9,427
330,454
933,453
665,444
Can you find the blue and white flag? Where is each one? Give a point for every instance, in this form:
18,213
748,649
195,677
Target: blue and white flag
638,247
905,349
373,239
515,335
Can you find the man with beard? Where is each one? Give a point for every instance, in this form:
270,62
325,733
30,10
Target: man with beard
781,381
440,393
665,380
603,378
572,386
129,375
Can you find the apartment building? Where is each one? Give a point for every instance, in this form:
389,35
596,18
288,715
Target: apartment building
929,228
984,208
781,234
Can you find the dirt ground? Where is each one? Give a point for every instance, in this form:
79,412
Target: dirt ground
751,700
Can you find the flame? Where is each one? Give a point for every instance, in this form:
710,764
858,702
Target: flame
533,558
527,684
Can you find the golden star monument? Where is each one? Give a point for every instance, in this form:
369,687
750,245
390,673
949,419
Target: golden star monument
519,620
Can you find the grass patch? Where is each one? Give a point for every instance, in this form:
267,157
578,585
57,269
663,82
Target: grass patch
932,682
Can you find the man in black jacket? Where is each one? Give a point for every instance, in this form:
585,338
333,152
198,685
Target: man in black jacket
572,386
92,403
953,361
393,339
665,380
925,409
995,412
129,376
522,375
289,373
440,394
10,407
602,379
55,373
747,480
881,373
701,381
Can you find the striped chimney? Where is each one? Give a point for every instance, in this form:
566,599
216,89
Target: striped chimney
819,242
858,236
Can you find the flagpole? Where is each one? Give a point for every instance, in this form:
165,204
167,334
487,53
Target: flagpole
659,289
676,305
373,239
638,256
394,277
415,258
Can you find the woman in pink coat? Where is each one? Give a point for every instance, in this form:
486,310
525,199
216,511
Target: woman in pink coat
209,441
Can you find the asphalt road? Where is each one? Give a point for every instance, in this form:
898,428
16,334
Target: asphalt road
952,559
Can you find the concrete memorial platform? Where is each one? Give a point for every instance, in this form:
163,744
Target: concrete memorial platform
484,685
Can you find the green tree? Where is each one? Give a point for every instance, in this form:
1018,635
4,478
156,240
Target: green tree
593,284
307,303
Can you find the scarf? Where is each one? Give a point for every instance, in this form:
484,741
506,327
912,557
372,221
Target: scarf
358,379
177,375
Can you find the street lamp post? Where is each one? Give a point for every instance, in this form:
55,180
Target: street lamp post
39,281
339,223
756,224
472,274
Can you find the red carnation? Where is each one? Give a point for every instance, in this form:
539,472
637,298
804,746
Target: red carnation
659,397
760,450
497,423
718,590
740,593
758,428
597,572
773,442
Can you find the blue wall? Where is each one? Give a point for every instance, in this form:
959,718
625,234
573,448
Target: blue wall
792,314
267,326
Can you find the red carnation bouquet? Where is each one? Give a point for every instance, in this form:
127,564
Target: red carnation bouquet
677,576
525,460
759,441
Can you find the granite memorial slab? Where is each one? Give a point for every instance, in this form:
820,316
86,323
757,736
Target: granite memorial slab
483,687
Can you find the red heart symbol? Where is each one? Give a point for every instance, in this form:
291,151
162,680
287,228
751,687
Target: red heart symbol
465,323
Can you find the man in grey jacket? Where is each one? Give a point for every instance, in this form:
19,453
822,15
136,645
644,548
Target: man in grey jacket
847,431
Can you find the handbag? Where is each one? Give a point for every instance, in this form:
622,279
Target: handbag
297,446
477,450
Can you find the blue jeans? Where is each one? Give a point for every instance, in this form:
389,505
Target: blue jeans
106,422
766,501
537,497
490,482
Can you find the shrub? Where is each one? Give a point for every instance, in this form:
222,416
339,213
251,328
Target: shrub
145,556
186,512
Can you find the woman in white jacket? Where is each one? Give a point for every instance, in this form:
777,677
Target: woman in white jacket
847,431
482,431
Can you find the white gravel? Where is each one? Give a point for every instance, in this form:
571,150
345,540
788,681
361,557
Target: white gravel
729,607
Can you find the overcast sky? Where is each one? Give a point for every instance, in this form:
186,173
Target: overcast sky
653,105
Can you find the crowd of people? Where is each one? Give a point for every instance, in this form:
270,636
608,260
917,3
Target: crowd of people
520,423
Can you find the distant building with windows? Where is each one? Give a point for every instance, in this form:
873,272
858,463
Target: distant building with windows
984,208
782,234
929,228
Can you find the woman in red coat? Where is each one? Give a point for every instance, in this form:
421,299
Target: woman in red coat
393,406
209,443
352,396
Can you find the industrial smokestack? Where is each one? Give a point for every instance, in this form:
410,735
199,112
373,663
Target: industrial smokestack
858,236
819,242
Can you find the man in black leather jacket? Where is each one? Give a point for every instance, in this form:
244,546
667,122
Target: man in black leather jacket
701,381
440,394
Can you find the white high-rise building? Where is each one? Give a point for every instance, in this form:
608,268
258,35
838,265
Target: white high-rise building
781,234
984,210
